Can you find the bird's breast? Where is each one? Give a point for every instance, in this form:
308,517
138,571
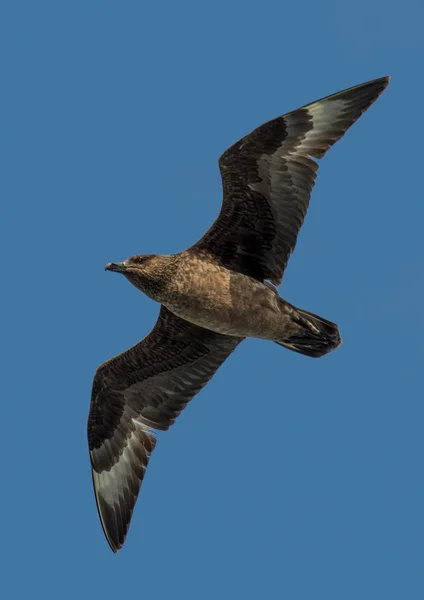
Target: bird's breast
230,303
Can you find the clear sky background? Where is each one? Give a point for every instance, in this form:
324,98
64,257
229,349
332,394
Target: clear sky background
287,477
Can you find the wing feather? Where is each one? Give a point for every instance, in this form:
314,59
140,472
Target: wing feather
268,178
142,389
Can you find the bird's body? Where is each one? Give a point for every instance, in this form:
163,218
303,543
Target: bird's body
196,288
200,290
227,302
215,294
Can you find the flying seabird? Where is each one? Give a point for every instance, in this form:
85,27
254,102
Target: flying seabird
215,294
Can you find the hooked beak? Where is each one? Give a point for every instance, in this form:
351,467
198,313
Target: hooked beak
118,267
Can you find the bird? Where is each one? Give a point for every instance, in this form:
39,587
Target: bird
214,295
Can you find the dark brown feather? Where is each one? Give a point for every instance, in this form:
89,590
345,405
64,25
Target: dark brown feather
267,180
145,387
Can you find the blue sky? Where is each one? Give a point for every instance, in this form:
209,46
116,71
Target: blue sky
286,477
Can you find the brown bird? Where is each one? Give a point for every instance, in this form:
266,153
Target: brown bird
214,295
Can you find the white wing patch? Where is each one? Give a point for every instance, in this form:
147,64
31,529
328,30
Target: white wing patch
118,487
110,484
325,115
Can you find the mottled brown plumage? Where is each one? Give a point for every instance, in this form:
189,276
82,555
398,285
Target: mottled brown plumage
214,295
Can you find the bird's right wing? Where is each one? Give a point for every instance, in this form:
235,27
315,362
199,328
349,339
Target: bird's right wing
145,387
267,179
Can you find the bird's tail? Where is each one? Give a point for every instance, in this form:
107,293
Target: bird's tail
314,335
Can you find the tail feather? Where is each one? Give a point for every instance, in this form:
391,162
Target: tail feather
316,336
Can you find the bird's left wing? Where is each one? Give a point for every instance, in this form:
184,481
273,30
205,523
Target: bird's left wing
268,177
142,389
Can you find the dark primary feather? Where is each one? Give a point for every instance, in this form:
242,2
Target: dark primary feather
267,181
146,386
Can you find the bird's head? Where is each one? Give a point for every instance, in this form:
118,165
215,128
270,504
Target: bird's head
145,271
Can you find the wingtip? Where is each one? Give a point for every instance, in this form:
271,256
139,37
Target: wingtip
385,79
380,82
114,548
112,545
